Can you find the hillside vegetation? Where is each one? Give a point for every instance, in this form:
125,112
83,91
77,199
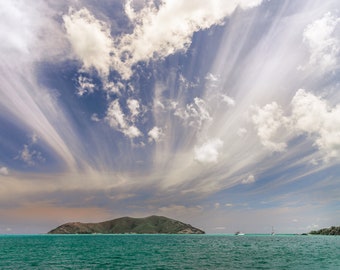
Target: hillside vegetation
148,225
328,231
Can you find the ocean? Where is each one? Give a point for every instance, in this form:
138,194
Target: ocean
169,252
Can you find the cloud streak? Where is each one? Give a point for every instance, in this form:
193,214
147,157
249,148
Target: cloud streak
194,108
159,31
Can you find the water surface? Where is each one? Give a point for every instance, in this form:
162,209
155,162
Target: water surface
169,252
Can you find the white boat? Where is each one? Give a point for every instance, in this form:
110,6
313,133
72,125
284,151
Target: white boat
273,232
239,233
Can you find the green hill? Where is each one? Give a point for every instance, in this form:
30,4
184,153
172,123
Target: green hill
328,231
124,225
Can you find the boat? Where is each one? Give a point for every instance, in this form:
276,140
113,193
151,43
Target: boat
239,233
273,232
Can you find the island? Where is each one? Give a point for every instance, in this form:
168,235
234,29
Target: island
129,225
327,231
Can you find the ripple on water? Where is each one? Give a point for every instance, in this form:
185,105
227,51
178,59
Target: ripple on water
169,252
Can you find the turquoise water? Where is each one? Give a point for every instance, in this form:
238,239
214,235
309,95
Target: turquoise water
169,252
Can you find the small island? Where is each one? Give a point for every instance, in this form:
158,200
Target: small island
327,231
129,225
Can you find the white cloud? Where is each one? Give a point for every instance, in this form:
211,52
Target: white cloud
268,120
159,32
323,42
26,155
194,113
211,77
250,179
134,107
115,115
27,30
155,134
112,87
14,27
85,85
95,118
117,120
208,152
90,39
4,171
132,132
312,115
32,36
228,100
217,205
34,138
185,83
29,156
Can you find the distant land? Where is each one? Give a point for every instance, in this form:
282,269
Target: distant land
127,225
328,231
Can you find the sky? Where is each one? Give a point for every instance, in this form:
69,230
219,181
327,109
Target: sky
222,114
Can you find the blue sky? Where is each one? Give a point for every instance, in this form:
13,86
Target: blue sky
223,114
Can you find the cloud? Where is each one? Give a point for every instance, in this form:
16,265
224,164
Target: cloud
208,152
26,155
314,116
29,156
195,114
176,166
33,37
111,87
187,84
158,32
228,100
4,171
134,107
34,138
90,39
155,134
95,118
310,115
117,120
267,121
249,180
15,28
27,30
211,77
322,38
85,86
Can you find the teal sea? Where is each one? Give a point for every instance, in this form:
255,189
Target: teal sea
169,252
